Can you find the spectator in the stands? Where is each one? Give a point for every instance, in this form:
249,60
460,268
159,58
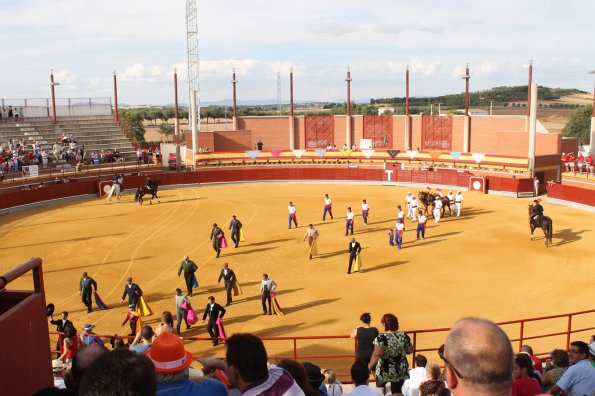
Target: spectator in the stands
478,359
58,371
365,335
417,375
315,377
143,340
360,376
559,366
434,385
298,372
83,358
166,325
524,384
579,379
69,345
120,372
246,368
333,387
171,362
89,338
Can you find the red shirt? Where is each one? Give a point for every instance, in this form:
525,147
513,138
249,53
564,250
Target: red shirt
564,158
525,387
580,158
537,364
590,159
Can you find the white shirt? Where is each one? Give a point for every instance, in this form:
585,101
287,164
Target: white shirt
408,199
365,207
292,209
364,390
417,376
413,202
451,197
400,226
459,198
269,283
327,201
350,215
422,219
401,214
438,203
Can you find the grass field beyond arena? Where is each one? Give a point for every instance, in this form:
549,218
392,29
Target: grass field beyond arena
480,264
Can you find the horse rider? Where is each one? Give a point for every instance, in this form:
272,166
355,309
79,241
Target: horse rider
537,211
149,184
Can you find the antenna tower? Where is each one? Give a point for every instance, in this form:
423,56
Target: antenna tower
278,92
192,51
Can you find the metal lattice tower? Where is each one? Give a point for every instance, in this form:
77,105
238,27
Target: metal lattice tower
279,92
192,50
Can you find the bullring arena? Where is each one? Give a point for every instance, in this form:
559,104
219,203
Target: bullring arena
482,263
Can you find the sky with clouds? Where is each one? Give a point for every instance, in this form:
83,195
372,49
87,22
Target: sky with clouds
84,41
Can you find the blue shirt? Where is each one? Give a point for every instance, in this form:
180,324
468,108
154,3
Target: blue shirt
141,348
579,379
186,388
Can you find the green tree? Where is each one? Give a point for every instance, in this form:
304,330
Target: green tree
579,123
166,129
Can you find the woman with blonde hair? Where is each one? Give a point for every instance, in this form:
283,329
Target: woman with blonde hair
433,386
333,387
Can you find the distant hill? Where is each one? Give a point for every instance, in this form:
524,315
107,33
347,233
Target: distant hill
498,96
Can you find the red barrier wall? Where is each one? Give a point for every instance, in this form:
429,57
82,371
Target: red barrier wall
572,194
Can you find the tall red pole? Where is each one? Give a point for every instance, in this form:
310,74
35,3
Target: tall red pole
53,96
529,88
407,91
467,90
234,81
116,118
348,79
291,92
176,109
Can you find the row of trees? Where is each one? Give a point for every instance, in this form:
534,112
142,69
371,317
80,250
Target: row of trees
498,96
579,124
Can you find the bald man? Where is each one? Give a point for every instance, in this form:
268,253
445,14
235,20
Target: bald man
478,359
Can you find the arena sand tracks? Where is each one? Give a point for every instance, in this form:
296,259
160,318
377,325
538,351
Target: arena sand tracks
483,263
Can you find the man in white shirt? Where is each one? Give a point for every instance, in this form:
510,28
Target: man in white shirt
437,209
328,207
459,202
360,376
349,221
421,225
400,215
266,287
292,210
408,203
417,376
365,211
413,208
451,199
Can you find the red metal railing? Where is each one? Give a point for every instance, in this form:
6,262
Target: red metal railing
299,344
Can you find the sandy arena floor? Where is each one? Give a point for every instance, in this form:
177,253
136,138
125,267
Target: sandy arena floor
480,264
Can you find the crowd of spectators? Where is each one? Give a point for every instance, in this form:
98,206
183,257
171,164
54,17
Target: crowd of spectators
11,113
477,356
582,162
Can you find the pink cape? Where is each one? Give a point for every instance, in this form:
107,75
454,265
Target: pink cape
222,335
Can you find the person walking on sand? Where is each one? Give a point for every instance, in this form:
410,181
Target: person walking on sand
312,235
328,207
349,221
354,251
292,210
235,225
216,236
365,211
189,268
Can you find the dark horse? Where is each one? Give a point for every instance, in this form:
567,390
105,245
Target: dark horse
144,190
543,222
428,199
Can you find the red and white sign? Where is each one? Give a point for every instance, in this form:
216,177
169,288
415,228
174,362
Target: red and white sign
477,183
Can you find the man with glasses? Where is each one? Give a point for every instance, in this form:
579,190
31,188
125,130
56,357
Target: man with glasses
579,379
478,359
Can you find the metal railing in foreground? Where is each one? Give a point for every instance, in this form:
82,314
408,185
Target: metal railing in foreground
320,349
